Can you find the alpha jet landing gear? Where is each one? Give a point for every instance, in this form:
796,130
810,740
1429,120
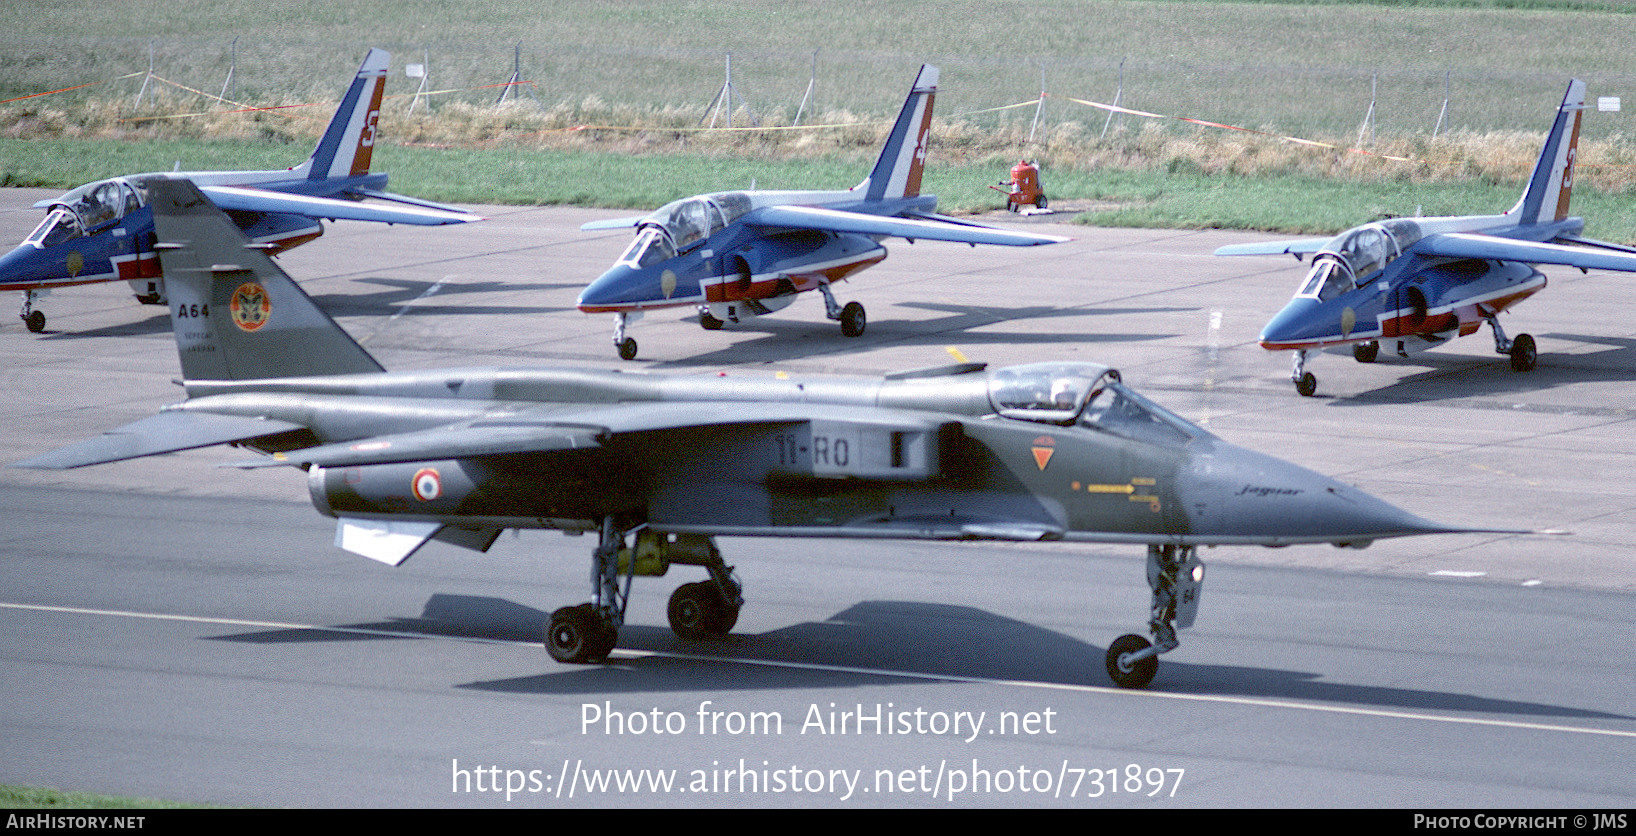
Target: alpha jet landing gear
33,319
1522,350
1176,576
704,610
1305,383
625,345
852,318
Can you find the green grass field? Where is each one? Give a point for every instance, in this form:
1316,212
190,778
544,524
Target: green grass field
1304,69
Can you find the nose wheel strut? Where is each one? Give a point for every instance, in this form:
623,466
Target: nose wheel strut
1305,382
32,319
625,345
1176,576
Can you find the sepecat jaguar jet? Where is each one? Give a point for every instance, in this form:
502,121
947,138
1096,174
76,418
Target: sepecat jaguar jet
739,255
657,465
103,231
1410,284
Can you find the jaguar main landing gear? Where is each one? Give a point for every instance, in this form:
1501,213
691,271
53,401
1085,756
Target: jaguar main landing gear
1176,576
588,632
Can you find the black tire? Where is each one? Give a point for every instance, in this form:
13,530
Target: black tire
1141,673
1042,202
853,320
1523,353
578,635
1307,385
627,349
149,299
698,612
708,322
35,321
1366,352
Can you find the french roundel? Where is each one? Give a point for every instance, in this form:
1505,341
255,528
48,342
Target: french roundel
427,485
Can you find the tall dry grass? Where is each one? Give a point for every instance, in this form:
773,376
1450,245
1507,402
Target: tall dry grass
591,124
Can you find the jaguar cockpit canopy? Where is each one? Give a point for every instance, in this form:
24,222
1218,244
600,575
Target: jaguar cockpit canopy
1086,394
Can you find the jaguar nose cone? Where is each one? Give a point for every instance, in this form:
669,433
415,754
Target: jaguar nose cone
1235,495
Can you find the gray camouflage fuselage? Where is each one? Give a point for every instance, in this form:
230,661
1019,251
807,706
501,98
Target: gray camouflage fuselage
896,457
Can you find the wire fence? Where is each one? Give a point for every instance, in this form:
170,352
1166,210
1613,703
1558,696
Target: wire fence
774,87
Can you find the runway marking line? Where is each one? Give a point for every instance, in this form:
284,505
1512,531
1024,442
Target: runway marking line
816,666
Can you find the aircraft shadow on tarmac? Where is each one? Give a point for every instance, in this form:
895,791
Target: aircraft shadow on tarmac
1453,378
921,639
391,301
793,339
382,303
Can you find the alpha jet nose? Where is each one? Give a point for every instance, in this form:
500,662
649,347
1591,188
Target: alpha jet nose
1298,325
623,288
28,263
1233,495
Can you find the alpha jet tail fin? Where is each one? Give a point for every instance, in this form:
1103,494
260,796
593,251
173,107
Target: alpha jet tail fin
349,140
236,315
897,171
1546,198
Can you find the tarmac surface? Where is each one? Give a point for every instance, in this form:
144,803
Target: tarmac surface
177,629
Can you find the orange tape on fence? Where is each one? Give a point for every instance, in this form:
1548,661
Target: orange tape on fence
66,89
1294,139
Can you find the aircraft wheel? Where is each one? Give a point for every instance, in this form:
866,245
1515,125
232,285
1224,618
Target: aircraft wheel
1307,385
708,322
1366,352
578,635
853,320
697,611
1137,675
35,321
1523,353
149,299
627,349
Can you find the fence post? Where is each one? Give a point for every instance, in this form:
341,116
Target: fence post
229,91
812,83
1442,114
1039,107
1368,125
1117,94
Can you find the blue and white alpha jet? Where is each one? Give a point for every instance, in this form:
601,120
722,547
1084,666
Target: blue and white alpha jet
103,231
740,255
1410,284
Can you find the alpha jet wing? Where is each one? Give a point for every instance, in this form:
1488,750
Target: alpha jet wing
1297,248
793,217
103,231
1496,248
659,465
1409,284
735,256
268,201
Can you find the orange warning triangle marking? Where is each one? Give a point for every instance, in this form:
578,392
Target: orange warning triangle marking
1042,456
